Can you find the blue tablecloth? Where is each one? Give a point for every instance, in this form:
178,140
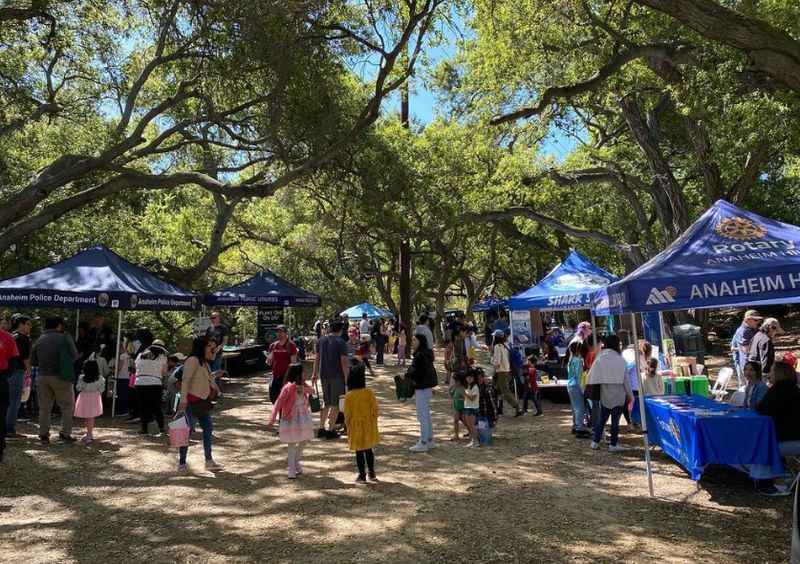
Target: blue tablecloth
698,431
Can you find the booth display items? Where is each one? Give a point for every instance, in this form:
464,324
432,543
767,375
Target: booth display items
729,257
569,286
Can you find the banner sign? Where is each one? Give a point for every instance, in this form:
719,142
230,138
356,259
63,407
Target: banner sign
268,320
521,334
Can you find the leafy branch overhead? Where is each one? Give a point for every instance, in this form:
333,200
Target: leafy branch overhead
209,139
177,94
671,117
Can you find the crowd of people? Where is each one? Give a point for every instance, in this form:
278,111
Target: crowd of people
601,384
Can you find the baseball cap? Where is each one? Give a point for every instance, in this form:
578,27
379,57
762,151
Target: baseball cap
752,314
282,328
771,322
498,333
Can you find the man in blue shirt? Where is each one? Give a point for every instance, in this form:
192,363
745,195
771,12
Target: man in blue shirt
740,343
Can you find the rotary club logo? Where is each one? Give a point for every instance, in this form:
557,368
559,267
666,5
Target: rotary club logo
740,229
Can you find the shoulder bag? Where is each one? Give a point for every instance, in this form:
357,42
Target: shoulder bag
313,401
203,406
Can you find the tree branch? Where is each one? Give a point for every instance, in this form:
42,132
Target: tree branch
756,159
631,251
647,139
771,50
554,93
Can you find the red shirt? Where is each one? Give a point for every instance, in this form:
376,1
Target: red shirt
8,349
534,385
589,360
281,357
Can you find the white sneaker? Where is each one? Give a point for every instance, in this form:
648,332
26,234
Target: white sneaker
431,445
595,445
419,447
615,448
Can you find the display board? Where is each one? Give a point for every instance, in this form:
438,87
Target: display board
521,328
268,320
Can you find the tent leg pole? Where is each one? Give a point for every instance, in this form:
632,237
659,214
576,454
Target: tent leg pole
116,364
77,323
594,329
641,405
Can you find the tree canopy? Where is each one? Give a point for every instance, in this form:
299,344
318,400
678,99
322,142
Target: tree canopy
206,140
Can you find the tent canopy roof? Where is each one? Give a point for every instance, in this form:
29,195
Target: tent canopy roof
265,288
96,278
728,257
373,312
570,285
489,304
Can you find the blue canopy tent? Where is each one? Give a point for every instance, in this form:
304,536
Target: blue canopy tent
373,312
96,278
489,304
570,285
263,289
728,257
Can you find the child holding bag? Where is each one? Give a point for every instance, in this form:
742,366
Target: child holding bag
296,426
361,418
90,400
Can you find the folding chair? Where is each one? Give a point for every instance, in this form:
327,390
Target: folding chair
719,390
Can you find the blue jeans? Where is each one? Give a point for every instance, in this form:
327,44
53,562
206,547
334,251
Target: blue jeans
423,403
206,425
15,382
216,364
578,406
615,413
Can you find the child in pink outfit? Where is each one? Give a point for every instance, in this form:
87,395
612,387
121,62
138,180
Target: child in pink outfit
296,426
401,346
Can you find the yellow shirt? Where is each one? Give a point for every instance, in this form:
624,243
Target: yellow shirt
361,418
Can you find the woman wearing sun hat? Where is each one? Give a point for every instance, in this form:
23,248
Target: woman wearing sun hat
151,372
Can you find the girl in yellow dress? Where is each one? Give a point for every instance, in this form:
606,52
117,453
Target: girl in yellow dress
361,418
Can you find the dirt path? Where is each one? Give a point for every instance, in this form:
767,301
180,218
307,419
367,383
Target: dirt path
537,495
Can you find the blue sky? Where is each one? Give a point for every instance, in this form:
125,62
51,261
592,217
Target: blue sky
423,103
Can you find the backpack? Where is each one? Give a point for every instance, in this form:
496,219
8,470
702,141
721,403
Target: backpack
514,359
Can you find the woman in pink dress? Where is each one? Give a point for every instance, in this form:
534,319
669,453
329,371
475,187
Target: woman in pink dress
296,425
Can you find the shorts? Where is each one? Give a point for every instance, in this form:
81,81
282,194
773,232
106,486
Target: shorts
332,388
473,411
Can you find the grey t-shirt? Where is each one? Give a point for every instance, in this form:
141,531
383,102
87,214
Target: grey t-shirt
331,350
46,352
